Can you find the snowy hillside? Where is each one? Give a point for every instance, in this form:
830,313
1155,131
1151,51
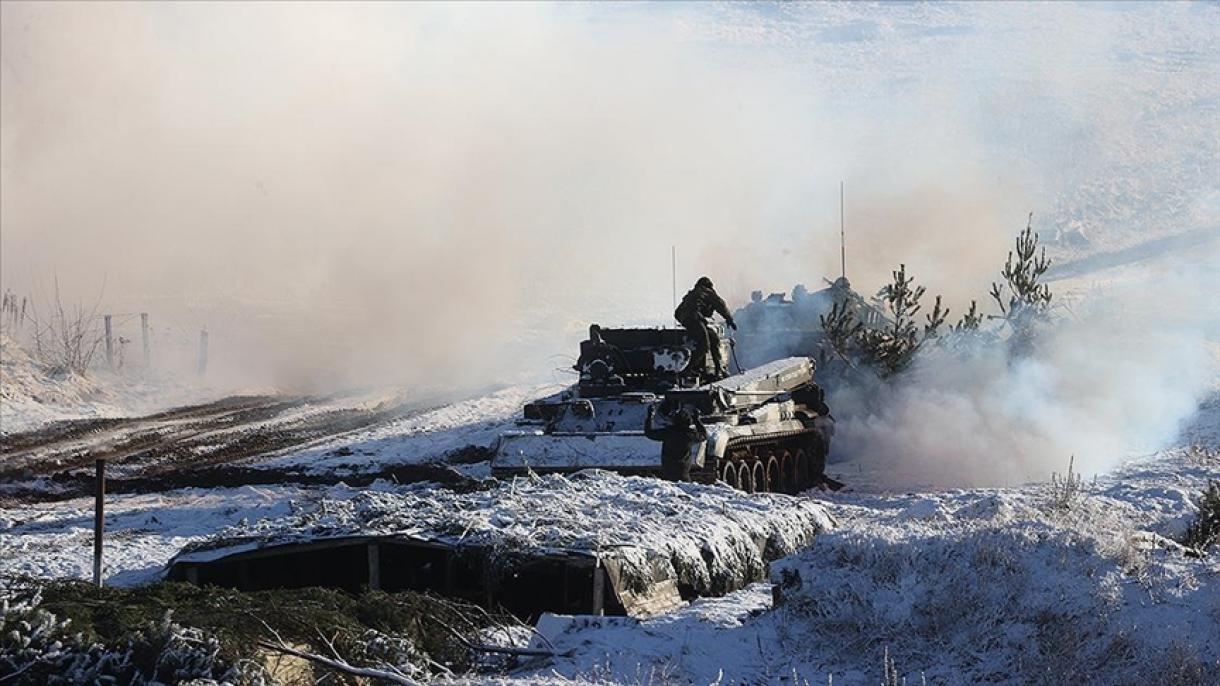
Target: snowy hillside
31,396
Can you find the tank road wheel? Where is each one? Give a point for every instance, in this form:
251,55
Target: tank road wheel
773,478
787,473
800,464
728,474
745,478
812,470
817,460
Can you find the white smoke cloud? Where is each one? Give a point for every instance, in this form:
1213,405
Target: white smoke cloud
449,193
1116,374
377,192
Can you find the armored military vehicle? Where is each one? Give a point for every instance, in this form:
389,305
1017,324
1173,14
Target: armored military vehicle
766,429
774,327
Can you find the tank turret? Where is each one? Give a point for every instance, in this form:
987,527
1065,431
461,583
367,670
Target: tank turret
776,327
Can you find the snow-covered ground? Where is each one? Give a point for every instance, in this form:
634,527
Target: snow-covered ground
428,437
711,533
963,586
989,585
1006,585
143,531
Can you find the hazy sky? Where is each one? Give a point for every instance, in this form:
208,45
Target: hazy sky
336,189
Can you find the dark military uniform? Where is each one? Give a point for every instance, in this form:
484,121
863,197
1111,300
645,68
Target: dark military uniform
680,431
699,304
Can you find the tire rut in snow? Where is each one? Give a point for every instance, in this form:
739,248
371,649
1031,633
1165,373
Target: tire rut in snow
68,485
69,445
232,430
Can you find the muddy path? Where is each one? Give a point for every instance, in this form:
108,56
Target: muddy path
61,435
66,485
196,445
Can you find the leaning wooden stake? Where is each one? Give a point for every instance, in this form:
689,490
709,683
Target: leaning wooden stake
109,343
99,518
203,352
144,335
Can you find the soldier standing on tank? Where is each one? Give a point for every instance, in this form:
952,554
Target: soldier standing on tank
697,306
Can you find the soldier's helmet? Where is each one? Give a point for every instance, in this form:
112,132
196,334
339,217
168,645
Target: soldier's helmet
704,282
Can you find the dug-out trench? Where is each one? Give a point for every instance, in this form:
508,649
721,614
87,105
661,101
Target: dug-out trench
564,582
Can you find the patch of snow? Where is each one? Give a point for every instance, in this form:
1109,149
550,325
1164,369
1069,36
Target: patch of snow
143,532
425,437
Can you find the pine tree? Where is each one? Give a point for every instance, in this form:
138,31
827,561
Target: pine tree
970,321
1023,299
893,347
840,332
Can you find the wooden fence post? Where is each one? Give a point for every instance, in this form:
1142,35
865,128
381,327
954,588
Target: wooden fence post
374,559
109,343
99,519
203,351
144,333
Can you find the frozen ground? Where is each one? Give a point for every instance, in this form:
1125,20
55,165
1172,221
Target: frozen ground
202,445
962,586
432,436
145,531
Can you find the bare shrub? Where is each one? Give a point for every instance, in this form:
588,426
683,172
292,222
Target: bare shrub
1201,454
1064,491
66,339
1177,665
889,670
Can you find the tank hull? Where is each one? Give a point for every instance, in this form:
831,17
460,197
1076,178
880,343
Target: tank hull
761,431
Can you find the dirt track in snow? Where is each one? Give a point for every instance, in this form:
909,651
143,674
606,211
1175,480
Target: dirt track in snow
200,445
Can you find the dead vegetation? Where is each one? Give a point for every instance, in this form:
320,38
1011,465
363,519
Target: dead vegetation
1064,491
63,337
401,637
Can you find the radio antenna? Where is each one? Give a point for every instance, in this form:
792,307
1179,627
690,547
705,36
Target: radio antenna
673,272
842,237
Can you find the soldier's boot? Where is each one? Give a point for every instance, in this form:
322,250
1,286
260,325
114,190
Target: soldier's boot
718,364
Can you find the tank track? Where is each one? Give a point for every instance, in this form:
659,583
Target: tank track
788,462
